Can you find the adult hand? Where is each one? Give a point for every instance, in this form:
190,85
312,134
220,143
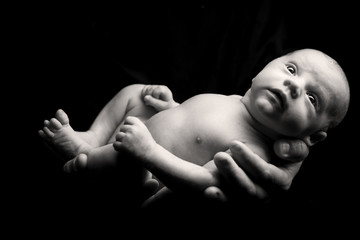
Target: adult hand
79,165
245,171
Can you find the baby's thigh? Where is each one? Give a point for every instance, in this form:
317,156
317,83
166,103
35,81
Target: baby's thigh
137,108
135,104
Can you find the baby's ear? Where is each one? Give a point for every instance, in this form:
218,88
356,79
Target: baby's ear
315,138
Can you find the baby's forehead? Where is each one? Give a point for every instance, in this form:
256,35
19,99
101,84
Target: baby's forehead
308,56
314,62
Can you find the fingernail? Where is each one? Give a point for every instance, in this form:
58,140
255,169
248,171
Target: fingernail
285,148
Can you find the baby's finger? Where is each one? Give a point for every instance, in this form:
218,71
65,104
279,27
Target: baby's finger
117,146
125,128
131,120
146,90
155,103
120,136
156,91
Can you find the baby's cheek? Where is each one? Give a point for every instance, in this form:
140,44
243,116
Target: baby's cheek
294,125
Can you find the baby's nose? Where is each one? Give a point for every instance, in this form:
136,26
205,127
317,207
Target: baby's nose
293,87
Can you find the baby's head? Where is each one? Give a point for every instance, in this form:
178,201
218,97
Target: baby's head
301,94
338,103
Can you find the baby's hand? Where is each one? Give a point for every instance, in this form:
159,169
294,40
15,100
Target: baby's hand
135,138
159,97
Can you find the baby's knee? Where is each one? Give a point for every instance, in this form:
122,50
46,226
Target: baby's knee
136,105
133,89
133,94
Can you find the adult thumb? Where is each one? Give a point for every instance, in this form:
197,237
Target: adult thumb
294,150
215,193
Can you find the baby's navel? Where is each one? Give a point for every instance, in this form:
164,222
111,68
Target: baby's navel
198,139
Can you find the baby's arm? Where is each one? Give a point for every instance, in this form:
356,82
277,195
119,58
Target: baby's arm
110,117
176,173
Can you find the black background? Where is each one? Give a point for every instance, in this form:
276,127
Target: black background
76,57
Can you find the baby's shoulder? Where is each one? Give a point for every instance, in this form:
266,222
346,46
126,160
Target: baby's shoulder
238,97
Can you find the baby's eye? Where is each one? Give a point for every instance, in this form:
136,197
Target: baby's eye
312,99
291,69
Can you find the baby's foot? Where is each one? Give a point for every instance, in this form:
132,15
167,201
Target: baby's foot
62,138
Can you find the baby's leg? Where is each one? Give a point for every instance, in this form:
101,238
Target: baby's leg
105,157
62,138
126,102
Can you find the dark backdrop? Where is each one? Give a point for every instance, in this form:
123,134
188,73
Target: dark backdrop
76,57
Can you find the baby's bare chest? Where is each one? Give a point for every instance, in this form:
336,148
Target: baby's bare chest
196,133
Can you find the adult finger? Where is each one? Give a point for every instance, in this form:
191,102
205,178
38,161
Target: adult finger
236,176
261,170
215,193
150,187
294,150
160,195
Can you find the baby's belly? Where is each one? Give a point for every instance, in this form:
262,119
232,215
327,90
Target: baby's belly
171,129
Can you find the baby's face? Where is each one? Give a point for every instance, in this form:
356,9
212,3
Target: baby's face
293,94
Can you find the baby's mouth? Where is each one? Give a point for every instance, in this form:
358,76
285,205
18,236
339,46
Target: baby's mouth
279,97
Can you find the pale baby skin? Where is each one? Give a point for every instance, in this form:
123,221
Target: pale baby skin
204,125
194,131
300,95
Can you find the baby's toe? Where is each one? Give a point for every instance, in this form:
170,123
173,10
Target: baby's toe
46,123
62,117
54,125
46,134
43,135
